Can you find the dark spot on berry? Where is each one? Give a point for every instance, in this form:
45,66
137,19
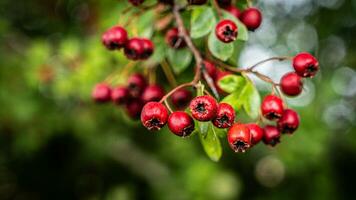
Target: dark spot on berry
200,108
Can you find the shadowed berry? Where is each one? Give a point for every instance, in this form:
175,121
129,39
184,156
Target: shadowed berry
136,2
252,18
291,84
120,95
203,108
196,2
169,2
225,116
152,93
271,136
134,49
239,137
233,10
305,65
136,84
133,108
114,38
180,123
289,121
173,39
224,3
256,133
181,98
226,31
101,93
154,116
148,48
272,107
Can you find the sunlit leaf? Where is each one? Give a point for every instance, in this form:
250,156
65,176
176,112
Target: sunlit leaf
211,144
220,50
202,21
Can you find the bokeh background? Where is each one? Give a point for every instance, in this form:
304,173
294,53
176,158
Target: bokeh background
55,143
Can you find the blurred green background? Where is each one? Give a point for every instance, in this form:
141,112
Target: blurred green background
55,143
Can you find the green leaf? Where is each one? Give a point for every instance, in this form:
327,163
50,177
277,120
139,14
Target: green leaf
252,100
232,83
203,127
234,100
145,25
179,59
220,50
242,30
211,144
238,46
202,21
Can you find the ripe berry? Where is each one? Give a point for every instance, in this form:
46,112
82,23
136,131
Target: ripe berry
225,116
226,31
114,38
136,2
203,108
133,108
181,98
272,107
152,93
101,93
252,18
180,123
173,39
134,49
305,65
291,84
136,84
256,133
271,136
148,48
120,95
220,75
233,10
224,3
196,2
154,116
210,68
239,137
289,121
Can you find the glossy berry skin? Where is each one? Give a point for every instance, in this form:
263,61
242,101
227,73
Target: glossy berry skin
115,38
134,49
271,136
252,18
203,108
180,123
133,108
233,10
272,107
196,2
136,2
305,65
220,75
289,121
154,116
120,95
136,84
224,3
148,48
225,116
291,84
101,93
152,93
173,39
181,98
256,133
239,137
226,31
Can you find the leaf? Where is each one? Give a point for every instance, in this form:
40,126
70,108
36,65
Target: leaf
252,100
202,21
242,30
234,100
220,132
203,128
179,59
159,52
220,50
145,25
211,144
238,46
232,83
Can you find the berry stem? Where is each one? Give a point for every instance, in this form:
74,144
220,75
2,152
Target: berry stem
168,106
278,58
175,89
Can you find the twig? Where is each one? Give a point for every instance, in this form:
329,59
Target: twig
175,89
279,58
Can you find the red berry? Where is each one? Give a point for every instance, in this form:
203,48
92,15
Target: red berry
226,31
101,93
305,65
271,136
181,98
196,2
203,108
133,108
239,137
134,49
148,48
272,107
233,10
220,75
180,123
136,84
210,68
256,133
136,2
120,95
114,38
152,93
225,116
289,121
252,18
154,116
291,84
224,3
173,39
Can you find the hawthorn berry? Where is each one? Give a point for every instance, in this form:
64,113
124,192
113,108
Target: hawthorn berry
173,39
181,98
289,121
225,116
154,116
256,133
136,2
114,38
134,49
133,108
226,31
196,2
210,68
152,93
233,10
148,48
272,107
305,65
203,108
120,95
136,84
271,135
239,137
180,123
224,3
291,84
252,18
101,93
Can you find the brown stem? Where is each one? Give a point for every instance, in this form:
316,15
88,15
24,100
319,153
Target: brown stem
164,98
168,106
279,58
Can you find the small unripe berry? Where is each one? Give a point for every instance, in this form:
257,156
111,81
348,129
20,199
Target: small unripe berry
148,48
272,107
305,65
173,39
226,31
134,49
133,108
101,93
115,38
289,121
196,2
136,84
203,108
152,93
256,133
180,123
224,3
252,18
291,84
225,116
271,136
233,10
120,95
136,2
154,116
181,98
239,137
